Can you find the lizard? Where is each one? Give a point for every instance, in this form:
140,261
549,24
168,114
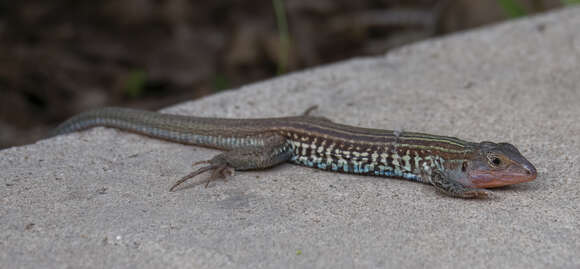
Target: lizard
455,167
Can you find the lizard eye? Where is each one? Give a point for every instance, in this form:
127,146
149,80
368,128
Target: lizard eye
494,160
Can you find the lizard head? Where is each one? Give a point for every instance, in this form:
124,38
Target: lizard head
498,164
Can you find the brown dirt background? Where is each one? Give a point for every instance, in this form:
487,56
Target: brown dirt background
61,57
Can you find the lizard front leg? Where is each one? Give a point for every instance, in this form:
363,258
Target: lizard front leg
447,183
275,150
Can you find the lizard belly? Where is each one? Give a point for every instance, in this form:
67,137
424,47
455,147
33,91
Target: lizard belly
351,162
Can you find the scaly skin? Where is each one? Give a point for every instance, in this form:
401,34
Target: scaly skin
456,167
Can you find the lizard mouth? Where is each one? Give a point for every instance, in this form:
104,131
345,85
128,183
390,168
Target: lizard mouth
498,178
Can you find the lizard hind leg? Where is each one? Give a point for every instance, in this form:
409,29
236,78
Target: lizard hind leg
309,110
275,150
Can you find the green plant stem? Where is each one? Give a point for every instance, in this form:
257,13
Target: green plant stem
282,24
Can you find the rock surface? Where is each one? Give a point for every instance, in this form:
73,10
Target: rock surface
100,199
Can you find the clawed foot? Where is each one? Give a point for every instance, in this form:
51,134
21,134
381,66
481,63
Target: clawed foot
220,170
475,194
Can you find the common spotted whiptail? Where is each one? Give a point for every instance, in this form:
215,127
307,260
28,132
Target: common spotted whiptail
456,167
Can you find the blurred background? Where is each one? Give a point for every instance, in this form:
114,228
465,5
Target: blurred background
61,57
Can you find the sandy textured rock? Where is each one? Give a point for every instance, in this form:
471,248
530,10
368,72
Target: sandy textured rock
100,198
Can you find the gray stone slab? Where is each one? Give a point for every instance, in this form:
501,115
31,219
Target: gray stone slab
99,198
